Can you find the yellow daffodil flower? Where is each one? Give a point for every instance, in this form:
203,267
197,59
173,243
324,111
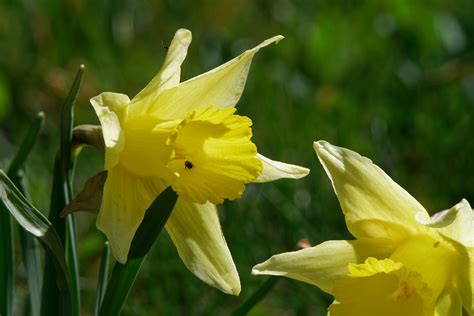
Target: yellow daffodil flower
402,262
185,135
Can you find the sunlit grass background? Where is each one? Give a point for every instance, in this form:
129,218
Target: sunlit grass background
394,81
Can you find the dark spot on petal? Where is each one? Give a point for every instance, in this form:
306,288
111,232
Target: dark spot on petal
188,164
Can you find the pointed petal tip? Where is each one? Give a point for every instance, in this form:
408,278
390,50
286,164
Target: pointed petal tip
234,291
267,267
443,218
278,38
274,39
261,269
228,286
321,146
184,35
329,154
255,271
274,170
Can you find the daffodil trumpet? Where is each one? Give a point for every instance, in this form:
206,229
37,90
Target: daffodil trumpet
402,262
185,135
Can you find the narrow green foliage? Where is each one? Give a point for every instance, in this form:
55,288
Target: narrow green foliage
6,263
6,229
28,142
124,275
153,222
60,197
67,120
34,222
29,244
103,278
32,260
256,297
67,170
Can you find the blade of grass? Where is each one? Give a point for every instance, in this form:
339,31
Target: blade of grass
6,224
103,278
67,168
60,197
31,256
256,297
29,245
6,263
50,291
35,223
27,145
124,275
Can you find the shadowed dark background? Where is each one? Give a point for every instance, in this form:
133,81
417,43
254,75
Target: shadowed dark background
393,81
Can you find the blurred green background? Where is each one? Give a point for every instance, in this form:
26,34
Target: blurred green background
393,80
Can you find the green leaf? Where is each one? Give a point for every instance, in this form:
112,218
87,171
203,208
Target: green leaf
103,278
67,170
29,248
28,142
256,297
67,120
31,257
124,275
34,222
29,245
6,263
60,197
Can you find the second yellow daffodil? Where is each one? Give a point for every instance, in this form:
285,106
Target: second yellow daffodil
186,135
402,262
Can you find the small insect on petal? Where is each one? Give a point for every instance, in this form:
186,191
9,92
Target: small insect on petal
188,164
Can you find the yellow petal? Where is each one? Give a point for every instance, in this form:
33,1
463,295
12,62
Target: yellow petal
381,287
455,223
196,232
168,76
470,276
274,170
325,263
433,257
370,200
125,199
214,156
111,110
221,87
465,276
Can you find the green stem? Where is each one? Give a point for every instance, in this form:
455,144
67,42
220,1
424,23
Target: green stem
103,278
71,247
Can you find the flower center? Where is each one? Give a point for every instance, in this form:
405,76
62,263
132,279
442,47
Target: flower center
214,156
430,256
381,287
147,151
